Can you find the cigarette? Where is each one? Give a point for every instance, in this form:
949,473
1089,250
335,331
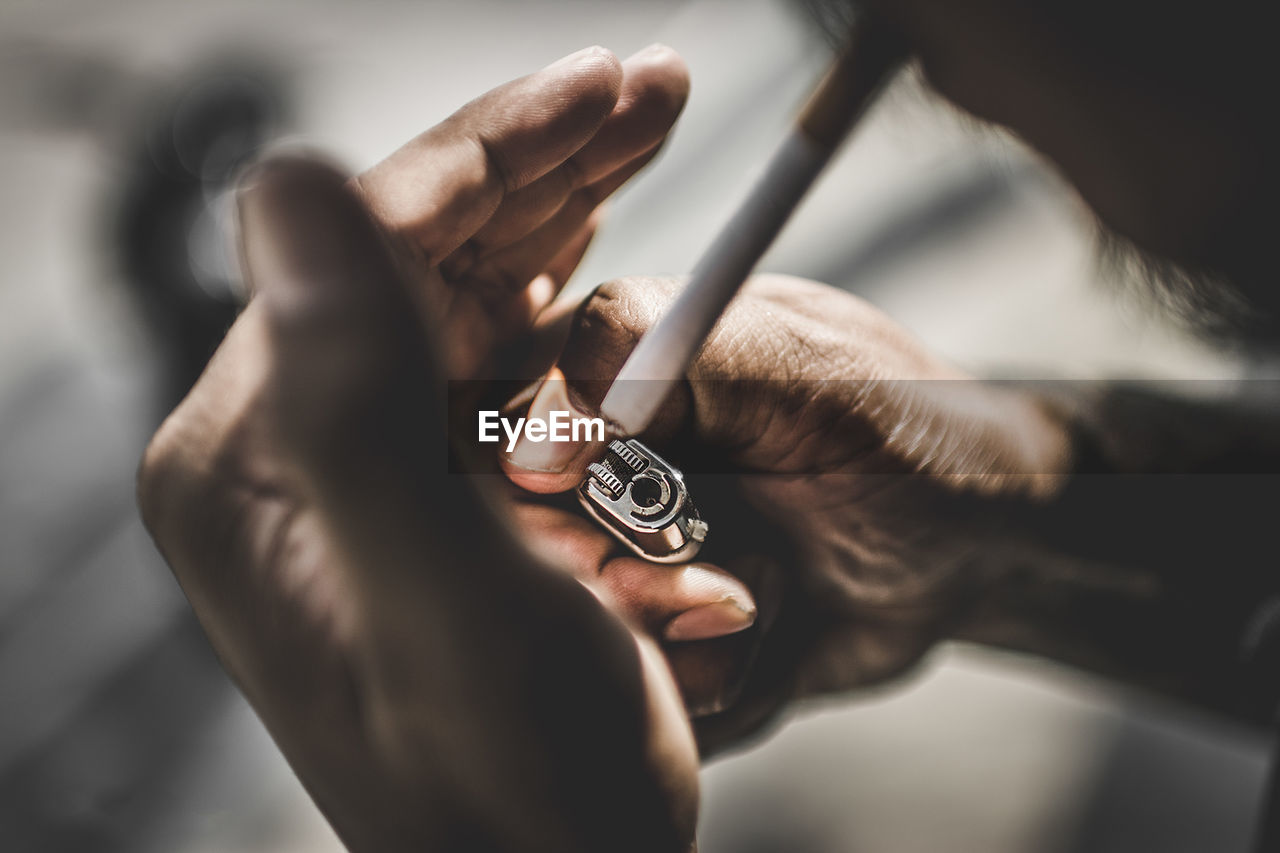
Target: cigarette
664,353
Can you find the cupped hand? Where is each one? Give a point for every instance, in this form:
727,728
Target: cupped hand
416,643
886,474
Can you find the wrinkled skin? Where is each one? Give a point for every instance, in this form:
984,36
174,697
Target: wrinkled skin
885,473
422,644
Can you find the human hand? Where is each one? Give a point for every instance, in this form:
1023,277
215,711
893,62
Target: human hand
434,683
887,472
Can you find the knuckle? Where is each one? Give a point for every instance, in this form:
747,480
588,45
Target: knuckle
606,313
176,480
159,472
189,500
621,310
608,323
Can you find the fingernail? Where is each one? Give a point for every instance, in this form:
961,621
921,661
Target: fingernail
543,455
728,616
576,56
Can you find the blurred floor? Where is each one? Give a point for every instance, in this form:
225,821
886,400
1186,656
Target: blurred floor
117,729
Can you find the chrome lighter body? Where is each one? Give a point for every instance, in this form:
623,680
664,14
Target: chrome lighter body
643,501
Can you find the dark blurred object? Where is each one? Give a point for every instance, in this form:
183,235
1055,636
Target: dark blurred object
831,21
51,88
109,694
174,216
179,141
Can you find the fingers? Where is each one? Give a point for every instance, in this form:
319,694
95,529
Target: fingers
507,269
355,402
684,603
471,668
503,190
654,90
357,407
269,422
527,306
441,188
699,612
680,603
561,267
343,328
605,329
552,466
776,350
534,222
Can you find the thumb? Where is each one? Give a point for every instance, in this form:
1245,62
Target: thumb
604,331
347,339
355,400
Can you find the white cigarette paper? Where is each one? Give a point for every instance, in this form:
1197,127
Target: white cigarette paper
665,351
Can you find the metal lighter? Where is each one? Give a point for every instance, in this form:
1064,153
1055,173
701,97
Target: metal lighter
642,500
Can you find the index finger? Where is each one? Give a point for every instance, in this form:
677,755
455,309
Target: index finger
440,188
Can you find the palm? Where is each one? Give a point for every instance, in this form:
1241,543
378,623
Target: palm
414,660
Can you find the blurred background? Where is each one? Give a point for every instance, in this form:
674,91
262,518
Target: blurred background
120,124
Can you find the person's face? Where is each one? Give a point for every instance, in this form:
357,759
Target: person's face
1156,115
